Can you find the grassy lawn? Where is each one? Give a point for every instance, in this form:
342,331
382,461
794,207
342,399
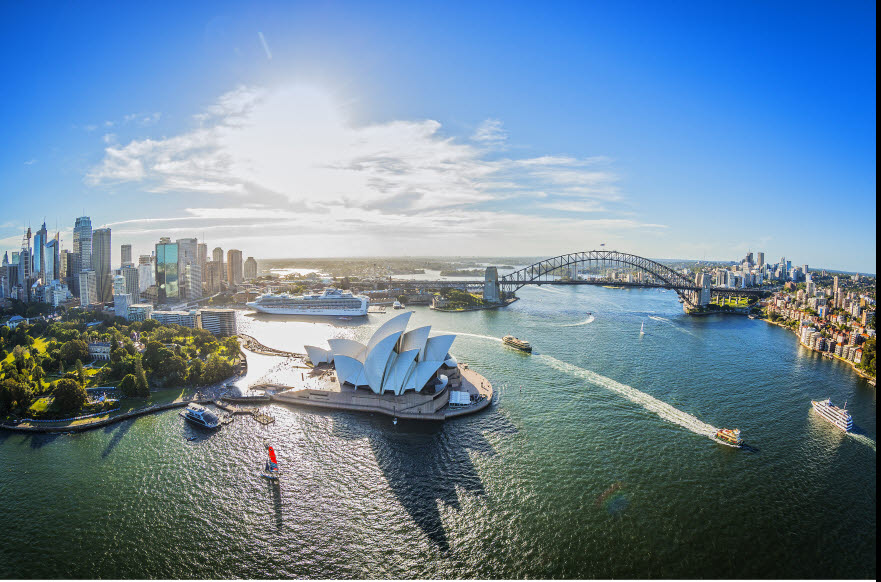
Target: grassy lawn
41,405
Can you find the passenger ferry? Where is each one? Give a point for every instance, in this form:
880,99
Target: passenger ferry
837,416
330,302
201,416
729,436
516,343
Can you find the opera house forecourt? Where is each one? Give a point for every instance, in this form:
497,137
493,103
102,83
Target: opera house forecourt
405,374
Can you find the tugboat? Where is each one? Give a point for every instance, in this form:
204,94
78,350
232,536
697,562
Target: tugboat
837,416
200,416
729,436
270,470
517,344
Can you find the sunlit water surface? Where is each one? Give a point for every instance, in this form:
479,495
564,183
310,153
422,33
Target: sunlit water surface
595,462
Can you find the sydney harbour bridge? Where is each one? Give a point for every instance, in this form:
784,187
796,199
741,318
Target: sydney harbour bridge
564,270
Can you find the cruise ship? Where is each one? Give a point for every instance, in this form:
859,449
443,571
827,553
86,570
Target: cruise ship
837,416
201,416
330,302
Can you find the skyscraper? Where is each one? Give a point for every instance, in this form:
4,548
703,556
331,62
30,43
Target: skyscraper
39,262
82,250
189,271
101,250
234,266
217,254
125,255
760,259
132,282
202,253
52,261
167,271
88,287
250,269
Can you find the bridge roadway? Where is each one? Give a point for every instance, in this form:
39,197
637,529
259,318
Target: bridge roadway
449,283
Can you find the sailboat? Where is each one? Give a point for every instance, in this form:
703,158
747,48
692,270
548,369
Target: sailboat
270,470
642,328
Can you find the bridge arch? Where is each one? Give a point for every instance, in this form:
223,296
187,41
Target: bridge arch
548,270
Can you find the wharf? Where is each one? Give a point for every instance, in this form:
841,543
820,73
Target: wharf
411,405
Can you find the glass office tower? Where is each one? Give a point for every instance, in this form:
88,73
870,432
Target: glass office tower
167,272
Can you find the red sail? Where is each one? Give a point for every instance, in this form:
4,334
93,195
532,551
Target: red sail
272,454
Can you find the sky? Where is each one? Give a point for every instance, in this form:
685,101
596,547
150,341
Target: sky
693,130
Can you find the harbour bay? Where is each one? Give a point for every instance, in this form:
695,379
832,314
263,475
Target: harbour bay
593,463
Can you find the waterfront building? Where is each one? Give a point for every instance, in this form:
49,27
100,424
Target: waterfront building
182,318
101,251
234,267
125,255
82,250
250,269
167,271
88,285
220,322
139,312
392,361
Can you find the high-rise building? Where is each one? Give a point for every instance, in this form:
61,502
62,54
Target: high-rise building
202,252
189,271
146,277
101,250
88,284
760,259
125,255
82,250
118,285
167,275
217,254
53,261
132,282
213,276
39,262
234,266
250,269
145,260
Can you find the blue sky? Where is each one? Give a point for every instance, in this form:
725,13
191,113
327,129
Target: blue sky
688,130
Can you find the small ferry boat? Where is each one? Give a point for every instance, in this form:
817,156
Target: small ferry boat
200,416
516,343
642,328
729,436
397,305
837,416
270,470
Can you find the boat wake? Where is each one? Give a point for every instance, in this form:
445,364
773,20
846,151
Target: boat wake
650,403
861,438
659,318
590,319
671,323
458,333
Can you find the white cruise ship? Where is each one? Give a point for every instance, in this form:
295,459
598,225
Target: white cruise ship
837,416
330,302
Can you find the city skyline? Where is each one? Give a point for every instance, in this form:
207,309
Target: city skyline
336,131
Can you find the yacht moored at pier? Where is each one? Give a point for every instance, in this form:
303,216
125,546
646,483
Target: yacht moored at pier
330,302
517,343
837,416
200,416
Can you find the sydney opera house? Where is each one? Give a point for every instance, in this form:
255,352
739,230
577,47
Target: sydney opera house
393,361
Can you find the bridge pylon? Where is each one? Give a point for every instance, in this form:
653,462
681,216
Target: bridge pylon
491,289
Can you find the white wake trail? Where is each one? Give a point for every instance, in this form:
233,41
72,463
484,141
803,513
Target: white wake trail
861,438
590,319
648,402
458,333
659,318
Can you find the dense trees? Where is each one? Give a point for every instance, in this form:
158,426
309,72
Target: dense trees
70,395
867,364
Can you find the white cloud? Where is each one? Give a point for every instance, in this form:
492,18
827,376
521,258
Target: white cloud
288,161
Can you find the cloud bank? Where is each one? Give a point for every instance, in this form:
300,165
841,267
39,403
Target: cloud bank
287,164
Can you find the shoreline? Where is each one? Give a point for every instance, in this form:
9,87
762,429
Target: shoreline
869,379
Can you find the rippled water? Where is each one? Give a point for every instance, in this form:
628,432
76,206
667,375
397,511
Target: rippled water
594,463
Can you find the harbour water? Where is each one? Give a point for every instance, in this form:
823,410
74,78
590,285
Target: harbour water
596,462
